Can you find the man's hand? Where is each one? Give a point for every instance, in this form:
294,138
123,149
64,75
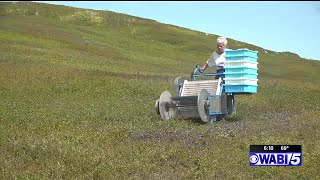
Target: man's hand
201,70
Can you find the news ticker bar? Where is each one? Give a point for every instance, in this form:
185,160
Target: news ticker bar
275,148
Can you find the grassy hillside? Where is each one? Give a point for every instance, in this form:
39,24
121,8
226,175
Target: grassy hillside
78,88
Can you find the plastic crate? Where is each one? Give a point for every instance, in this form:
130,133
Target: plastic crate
236,81
241,75
241,58
241,88
241,70
241,64
241,52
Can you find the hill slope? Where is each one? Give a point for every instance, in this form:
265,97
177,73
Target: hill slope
78,88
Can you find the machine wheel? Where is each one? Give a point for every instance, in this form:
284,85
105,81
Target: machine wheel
231,104
167,111
157,107
177,84
203,109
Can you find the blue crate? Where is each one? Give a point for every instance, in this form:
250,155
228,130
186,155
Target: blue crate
241,88
241,52
241,75
241,58
241,70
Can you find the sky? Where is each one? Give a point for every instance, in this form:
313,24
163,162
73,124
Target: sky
272,25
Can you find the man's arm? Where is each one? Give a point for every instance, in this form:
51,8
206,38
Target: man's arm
206,65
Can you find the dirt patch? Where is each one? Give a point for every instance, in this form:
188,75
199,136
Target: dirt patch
265,124
162,136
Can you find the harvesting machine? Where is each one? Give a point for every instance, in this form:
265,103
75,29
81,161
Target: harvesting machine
211,99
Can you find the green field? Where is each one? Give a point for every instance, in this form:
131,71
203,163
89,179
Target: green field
78,89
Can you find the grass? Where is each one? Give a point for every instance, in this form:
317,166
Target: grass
77,102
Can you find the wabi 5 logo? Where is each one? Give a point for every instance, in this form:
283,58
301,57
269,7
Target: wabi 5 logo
275,159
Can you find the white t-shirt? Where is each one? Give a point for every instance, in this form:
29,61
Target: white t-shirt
217,60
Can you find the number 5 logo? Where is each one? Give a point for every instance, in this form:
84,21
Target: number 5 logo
295,159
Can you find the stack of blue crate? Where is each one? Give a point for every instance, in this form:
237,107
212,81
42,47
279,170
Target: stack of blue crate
241,71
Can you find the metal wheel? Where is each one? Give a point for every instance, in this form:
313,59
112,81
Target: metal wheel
178,81
157,107
202,105
231,104
166,108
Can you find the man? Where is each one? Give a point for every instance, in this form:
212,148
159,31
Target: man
217,58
